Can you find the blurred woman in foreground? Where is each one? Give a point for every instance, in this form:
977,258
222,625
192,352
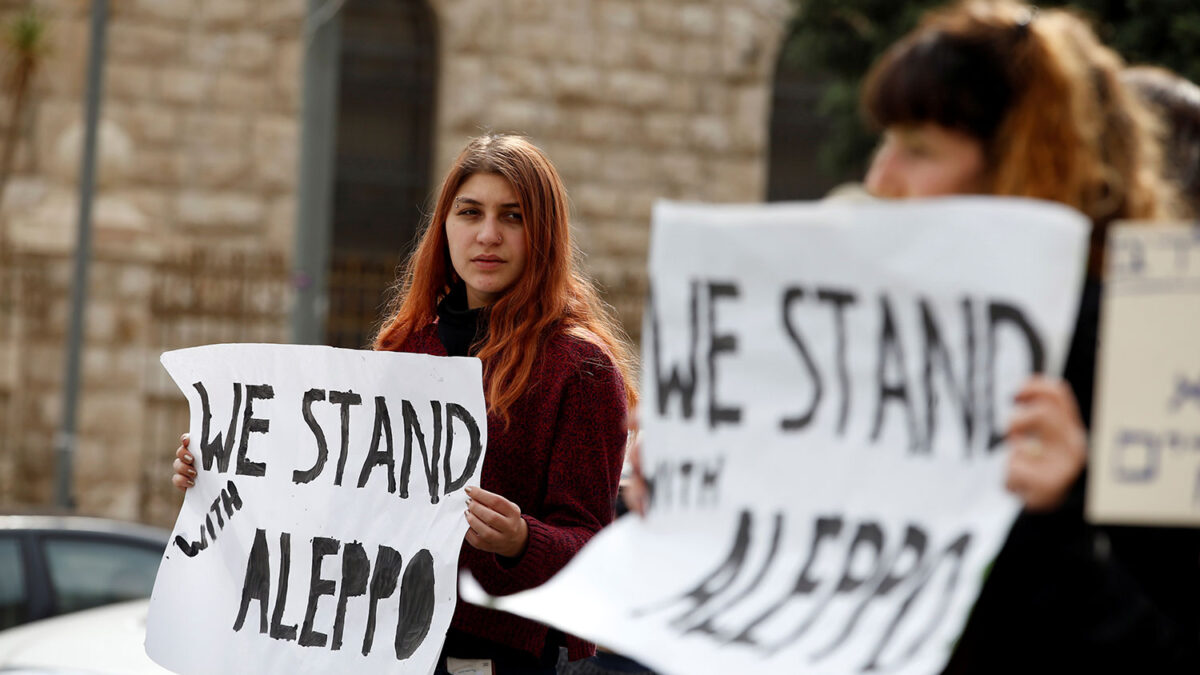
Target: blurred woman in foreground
998,98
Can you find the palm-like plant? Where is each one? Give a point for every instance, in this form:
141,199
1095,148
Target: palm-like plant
24,38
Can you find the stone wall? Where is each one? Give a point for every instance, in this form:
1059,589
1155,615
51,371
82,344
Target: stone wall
200,125
634,100
198,147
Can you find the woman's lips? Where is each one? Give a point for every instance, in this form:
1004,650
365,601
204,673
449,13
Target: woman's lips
487,262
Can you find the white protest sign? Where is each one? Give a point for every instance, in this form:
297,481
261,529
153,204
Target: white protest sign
324,529
1146,432
825,389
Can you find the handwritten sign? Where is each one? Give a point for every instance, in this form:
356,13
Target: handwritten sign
324,529
1146,435
825,389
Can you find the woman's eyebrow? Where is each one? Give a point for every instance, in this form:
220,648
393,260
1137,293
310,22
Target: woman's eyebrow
476,202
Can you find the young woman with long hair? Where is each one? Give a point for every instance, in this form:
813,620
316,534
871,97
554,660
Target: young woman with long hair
495,275
1000,98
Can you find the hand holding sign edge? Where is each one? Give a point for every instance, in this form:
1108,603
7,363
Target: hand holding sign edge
184,476
1049,444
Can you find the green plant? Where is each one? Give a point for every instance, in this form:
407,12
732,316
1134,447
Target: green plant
24,39
839,39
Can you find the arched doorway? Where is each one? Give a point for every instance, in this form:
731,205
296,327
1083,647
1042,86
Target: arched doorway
388,64
798,166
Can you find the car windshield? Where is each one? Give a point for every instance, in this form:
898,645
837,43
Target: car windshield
89,573
13,603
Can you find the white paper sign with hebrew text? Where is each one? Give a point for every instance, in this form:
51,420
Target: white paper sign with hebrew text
1146,432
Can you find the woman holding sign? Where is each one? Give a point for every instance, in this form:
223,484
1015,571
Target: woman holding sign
999,98
494,276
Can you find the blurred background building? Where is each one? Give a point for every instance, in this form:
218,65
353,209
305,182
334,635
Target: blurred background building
196,212
219,170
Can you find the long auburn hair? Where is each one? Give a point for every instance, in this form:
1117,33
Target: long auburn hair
1043,96
551,296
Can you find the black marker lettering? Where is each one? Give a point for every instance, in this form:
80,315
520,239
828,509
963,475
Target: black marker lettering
706,626
825,528
1000,313
718,344
279,630
455,411
251,424
412,429
840,299
891,349
388,563
344,399
257,582
416,604
375,456
680,380
957,549
964,393
215,449
355,569
317,587
803,419
319,435
715,583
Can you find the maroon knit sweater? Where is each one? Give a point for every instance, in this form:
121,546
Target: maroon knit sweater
560,461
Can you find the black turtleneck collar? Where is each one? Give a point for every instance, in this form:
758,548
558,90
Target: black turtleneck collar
459,327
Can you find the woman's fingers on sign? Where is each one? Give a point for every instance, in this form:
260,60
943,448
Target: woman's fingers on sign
1049,444
185,473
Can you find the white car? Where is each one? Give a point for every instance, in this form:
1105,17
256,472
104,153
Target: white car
52,565
97,641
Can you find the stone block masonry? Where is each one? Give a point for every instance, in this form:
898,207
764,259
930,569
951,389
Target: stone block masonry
605,86
634,100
